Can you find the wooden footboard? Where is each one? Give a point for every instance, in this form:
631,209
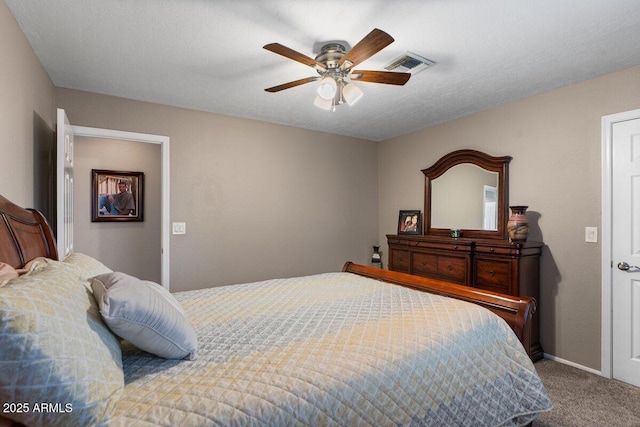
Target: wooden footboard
516,311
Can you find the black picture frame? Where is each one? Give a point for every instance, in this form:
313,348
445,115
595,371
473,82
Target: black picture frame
106,203
410,222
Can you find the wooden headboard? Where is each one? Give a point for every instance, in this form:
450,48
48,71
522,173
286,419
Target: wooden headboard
25,234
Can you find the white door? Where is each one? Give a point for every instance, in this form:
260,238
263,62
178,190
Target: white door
625,250
64,185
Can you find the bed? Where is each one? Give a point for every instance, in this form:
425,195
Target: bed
361,346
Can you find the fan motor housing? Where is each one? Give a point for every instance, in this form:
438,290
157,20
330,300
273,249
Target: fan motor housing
331,54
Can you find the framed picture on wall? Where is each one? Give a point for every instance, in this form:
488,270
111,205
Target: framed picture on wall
116,195
410,222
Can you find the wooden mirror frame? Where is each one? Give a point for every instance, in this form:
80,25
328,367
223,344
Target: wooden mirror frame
484,161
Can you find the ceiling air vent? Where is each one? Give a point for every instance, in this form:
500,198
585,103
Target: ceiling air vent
410,63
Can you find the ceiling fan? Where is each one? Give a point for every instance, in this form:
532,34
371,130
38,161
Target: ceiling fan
335,69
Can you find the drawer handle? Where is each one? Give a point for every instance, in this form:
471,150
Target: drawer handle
424,263
455,248
492,273
450,267
492,250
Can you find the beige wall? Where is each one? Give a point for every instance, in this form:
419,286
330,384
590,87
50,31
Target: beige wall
131,247
555,141
27,114
259,200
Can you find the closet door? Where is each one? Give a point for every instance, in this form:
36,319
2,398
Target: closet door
625,246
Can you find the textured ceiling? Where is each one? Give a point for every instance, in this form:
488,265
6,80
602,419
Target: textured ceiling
207,55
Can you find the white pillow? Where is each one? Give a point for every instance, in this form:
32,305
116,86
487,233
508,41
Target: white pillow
55,348
145,314
87,266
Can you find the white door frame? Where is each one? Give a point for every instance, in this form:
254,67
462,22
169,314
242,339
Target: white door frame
149,139
606,368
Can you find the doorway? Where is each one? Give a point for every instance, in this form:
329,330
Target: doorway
164,142
621,247
132,247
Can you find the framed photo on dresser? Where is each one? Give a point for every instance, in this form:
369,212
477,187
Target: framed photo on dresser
410,222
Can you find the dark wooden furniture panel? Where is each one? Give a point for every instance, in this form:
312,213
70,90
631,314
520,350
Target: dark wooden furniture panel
494,275
399,261
424,264
25,234
453,268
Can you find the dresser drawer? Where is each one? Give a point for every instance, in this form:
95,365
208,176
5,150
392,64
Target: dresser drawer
493,275
452,268
399,260
424,264
494,249
445,267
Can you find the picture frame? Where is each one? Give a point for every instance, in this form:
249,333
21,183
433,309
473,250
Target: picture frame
410,222
116,196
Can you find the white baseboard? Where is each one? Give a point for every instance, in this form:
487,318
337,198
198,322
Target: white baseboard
575,365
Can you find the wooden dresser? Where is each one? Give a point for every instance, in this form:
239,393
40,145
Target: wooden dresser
466,193
488,264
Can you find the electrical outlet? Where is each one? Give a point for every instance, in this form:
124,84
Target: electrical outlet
179,228
591,234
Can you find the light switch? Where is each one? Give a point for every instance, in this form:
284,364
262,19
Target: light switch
179,228
591,234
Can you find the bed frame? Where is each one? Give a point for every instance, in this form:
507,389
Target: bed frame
25,234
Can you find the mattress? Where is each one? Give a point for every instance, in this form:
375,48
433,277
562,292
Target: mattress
334,349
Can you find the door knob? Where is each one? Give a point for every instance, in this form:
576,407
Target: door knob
626,267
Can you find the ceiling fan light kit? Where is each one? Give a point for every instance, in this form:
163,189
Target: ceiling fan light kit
330,95
325,104
327,87
334,66
352,93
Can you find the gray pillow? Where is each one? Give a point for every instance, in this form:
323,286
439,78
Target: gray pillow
145,314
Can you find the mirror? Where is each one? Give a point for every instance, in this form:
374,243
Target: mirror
467,190
465,197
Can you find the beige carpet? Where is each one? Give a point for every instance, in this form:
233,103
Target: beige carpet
584,399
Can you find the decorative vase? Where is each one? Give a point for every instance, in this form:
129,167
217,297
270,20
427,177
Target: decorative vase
518,224
376,260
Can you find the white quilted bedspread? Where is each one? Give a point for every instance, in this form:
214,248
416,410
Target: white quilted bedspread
334,349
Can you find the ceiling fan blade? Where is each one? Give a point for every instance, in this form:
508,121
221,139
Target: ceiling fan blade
292,84
386,77
371,44
292,54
